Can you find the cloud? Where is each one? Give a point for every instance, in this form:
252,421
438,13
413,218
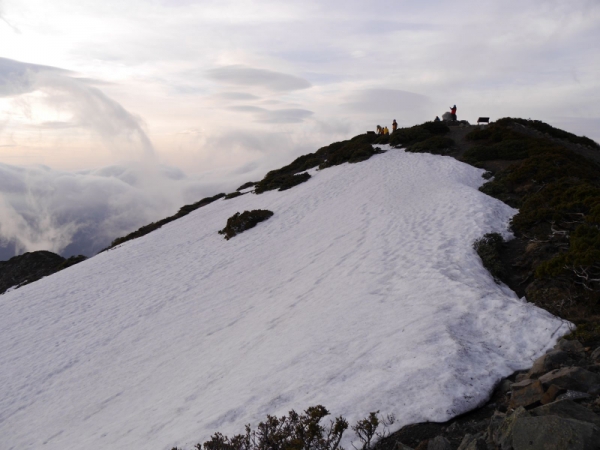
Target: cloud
247,76
385,100
89,107
236,96
263,115
82,212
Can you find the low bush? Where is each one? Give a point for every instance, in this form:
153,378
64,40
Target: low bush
239,223
488,248
232,195
301,432
409,136
437,145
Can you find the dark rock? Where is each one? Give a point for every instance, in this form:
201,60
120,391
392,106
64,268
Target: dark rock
573,378
504,433
526,393
554,433
439,443
31,266
594,390
551,394
596,355
573,395
550,361
567,409
238,223
569,346
473,442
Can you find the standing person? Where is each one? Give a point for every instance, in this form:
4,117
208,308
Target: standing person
386,131
394,125
379,130
453,111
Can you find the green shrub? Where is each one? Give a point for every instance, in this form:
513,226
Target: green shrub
239,223
232,195
410,136
438,145
479,134
550,130
488,248
301,432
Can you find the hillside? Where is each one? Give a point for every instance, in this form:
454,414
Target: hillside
361,293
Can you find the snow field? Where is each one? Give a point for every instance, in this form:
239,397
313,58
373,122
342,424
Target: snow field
361,293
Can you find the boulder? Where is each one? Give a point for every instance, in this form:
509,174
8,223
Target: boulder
550,361
571,378
473,442
554,433
551,394
596,355
567,409
504,434
439,443
569,346
573,395
526,393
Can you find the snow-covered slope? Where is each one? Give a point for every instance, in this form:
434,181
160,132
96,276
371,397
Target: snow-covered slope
361,293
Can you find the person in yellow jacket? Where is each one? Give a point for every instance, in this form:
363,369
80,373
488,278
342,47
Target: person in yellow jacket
394,125
386,131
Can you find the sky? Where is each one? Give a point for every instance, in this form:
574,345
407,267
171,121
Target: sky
220,92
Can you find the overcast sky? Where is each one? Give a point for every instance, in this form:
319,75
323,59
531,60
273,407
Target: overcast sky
227,90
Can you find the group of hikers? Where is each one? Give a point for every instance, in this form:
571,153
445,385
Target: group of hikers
447,116
385,131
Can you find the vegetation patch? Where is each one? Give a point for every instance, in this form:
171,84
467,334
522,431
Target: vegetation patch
404,137
557,192
437,145
232,195
239,223
301,432
357,149
183,211
489,248
246,185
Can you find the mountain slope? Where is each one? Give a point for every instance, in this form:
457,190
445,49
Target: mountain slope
361,293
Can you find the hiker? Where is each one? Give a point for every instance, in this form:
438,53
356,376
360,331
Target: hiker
437,119
386,132
453,112
394,125
379,130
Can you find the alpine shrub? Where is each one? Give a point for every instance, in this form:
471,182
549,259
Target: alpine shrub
241,222
488,248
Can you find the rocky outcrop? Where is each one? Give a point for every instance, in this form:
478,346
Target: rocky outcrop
31,266
554,405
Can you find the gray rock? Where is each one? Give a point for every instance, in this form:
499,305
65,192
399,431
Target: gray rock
554,433
473,442
494,425
596,355
573,378
550,361
573,395
567,409
401,446
526,393
569,346
504,434
594,390
439,443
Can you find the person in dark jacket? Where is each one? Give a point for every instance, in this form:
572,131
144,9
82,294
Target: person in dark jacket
453,111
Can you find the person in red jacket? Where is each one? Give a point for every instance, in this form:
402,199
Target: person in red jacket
453,111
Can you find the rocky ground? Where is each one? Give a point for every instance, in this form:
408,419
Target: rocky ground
554,405
31,266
